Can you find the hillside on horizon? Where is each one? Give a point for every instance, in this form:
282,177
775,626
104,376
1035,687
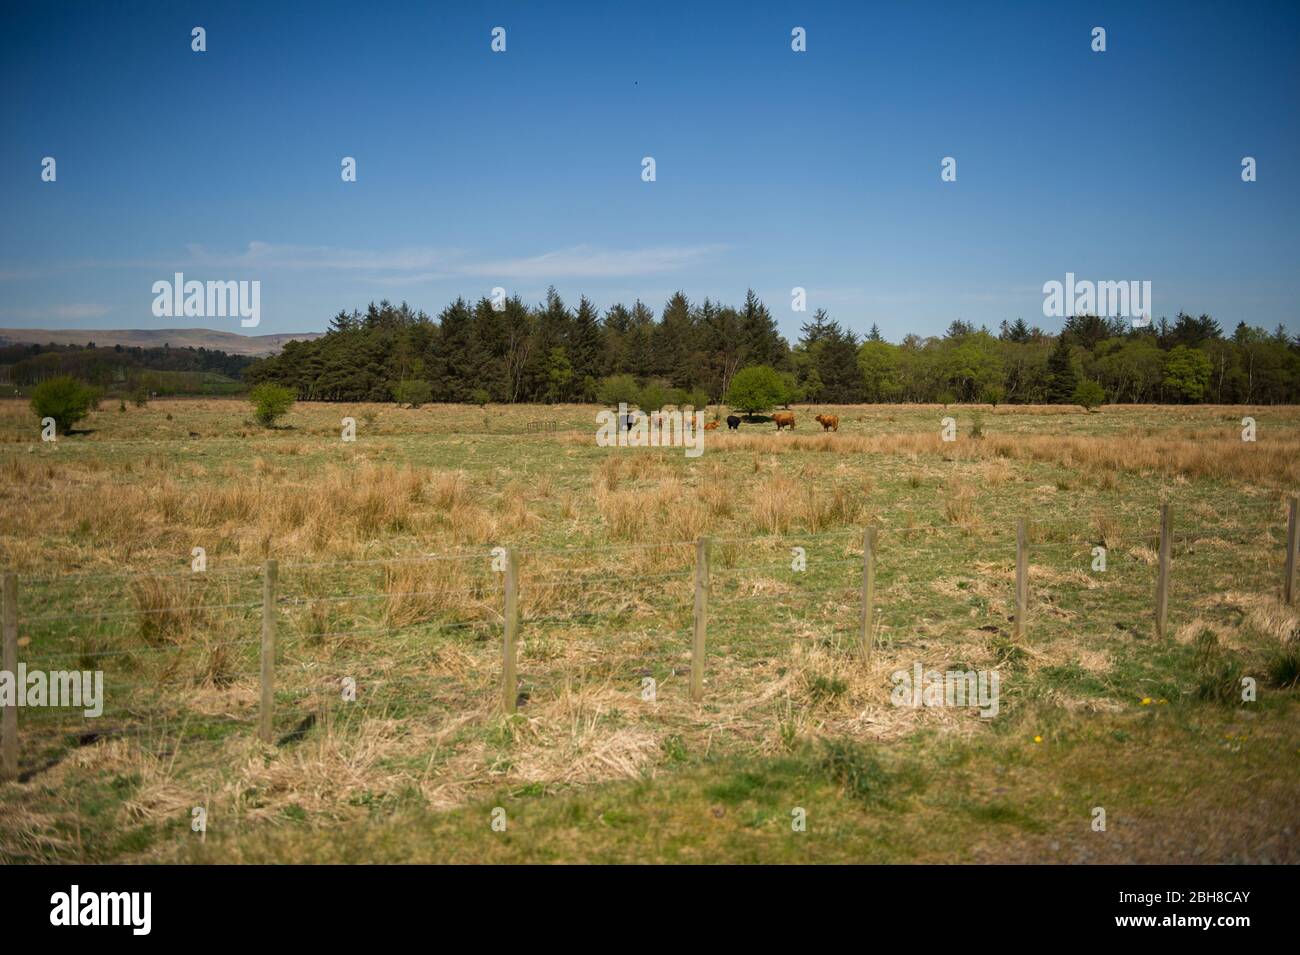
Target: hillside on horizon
232,343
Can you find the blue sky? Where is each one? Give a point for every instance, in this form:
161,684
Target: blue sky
775,169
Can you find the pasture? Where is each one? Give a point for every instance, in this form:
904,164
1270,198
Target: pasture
386,584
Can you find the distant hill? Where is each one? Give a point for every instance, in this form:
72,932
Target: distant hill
232,343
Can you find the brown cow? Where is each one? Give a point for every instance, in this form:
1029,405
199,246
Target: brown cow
829,422
711,426
783,419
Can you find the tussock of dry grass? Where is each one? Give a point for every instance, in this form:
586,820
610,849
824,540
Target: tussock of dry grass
668,511
1264,613
169,608
788,502
31,833
1143,554
959,505
423,591
576,739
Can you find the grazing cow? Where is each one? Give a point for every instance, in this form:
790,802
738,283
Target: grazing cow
733,422
783,419
711,426
829,422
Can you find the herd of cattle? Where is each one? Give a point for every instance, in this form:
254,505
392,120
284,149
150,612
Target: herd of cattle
783,419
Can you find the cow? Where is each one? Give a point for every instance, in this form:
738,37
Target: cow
711,426
733,422
829,422
783,419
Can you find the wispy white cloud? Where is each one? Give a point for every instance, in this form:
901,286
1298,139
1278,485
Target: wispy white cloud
413,265
268,255
16,275
585,261
421,264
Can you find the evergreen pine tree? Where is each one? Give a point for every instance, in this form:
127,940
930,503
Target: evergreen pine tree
586,347
763,344
1061,377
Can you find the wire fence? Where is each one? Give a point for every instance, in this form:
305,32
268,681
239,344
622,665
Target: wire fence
278,648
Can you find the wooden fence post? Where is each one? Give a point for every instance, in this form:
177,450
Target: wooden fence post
266,717
1022,577
1292,552
868,618
510,631
1162,578
9,663
701,618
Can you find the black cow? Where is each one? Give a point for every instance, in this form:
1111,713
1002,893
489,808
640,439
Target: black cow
733,422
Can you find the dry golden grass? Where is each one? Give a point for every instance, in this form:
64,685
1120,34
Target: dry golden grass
423,591
787,502
168,608
337,512
605,560
1218,457
300,508
959,506
668,511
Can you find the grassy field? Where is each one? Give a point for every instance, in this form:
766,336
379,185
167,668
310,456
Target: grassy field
386,580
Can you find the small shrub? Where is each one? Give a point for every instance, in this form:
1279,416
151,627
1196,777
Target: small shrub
64,399
413,392
618,389
271,402
697,398
655,394
1089,394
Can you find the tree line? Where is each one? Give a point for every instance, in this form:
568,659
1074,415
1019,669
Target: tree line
122,368
690,352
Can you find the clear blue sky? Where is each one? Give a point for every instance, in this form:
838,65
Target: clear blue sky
775,169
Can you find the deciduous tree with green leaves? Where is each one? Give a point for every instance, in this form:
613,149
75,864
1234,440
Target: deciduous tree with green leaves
413,392
618,389
64,399
1187,374
756,389
271,402
1089,394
